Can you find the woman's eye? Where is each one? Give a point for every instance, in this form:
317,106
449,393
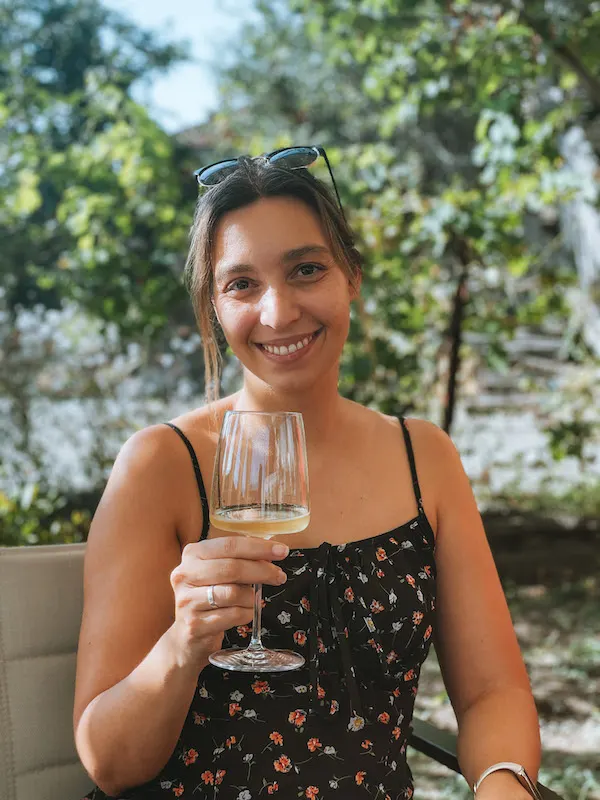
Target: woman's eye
239,285
309,270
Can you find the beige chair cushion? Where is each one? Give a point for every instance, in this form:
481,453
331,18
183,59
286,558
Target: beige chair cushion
41,599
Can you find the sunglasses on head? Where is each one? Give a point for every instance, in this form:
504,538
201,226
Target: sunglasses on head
287,157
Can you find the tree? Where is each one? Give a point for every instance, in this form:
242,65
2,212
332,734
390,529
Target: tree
445,122
95,199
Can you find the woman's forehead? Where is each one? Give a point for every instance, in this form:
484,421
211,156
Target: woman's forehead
268,228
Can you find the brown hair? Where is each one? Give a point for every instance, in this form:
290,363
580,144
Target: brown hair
254,179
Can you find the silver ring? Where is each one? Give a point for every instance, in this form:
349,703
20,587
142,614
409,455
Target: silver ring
211,597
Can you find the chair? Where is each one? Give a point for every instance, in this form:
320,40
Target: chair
41,597
41,600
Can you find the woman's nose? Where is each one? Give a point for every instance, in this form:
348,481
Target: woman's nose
278,308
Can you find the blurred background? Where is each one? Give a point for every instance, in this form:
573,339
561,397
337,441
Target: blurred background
465,137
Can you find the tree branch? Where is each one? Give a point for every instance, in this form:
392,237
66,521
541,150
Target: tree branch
564,52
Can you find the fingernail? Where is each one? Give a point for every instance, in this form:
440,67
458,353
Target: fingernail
282,577
280,550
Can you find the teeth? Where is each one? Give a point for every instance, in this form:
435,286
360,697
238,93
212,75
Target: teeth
284,350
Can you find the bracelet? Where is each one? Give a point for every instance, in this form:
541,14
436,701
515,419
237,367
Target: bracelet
519,772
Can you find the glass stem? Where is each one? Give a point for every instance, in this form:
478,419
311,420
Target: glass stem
255,642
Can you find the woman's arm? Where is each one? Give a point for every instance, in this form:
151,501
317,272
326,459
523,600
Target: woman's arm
132,694
475,641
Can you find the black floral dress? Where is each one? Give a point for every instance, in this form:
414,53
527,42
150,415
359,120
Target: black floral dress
362,614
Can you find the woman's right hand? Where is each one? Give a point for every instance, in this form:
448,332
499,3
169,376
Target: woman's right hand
230,564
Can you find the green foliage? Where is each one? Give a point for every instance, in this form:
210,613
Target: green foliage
92,202
443,122
40,515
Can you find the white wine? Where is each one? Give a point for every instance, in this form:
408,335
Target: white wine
262,523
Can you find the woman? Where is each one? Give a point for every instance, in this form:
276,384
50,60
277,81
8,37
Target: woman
273,264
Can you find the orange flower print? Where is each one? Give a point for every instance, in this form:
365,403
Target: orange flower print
334,707
396,733
360,778
409,675
272,788
312,792
219,776
428,632
199,719
384,717
411,580
208,777
305,603
283,764
261,687
234,708
244,631
189,756
380,573
349,595
381,554
313,744
321,645
396,692
393,541
230,742
427,571
376,607
366,744
300,637
320,692
417,617
297,717
178,790
391,657
276,737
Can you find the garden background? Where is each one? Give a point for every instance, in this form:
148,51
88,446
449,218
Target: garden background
465,137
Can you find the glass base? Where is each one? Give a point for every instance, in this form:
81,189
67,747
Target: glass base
262,660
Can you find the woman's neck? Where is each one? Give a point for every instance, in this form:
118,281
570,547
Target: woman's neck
321,406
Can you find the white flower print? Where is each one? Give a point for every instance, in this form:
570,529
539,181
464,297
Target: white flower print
244,795
203,692
370,624
250,713
329,750
236,696
333,784
392,597
396,626
166,784
301,689
356,723
284,617
320,572
248,757
420,595
362,577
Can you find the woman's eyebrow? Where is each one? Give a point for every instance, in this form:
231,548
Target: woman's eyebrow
231,270
299,252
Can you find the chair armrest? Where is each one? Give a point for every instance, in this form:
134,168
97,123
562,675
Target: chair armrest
441,746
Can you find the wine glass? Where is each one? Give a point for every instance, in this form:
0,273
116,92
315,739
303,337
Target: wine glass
260,488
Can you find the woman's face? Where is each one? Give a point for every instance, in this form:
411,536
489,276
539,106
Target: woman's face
280,297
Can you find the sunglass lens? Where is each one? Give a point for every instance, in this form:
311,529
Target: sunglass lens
295,157
217,173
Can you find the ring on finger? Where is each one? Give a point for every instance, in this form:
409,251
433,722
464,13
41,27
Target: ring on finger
211,597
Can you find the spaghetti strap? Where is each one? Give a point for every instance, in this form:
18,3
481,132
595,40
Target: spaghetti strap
413,467
199,481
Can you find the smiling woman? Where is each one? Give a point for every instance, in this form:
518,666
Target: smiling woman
222,239
394,553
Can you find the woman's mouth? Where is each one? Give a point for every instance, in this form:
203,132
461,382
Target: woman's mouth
292,349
